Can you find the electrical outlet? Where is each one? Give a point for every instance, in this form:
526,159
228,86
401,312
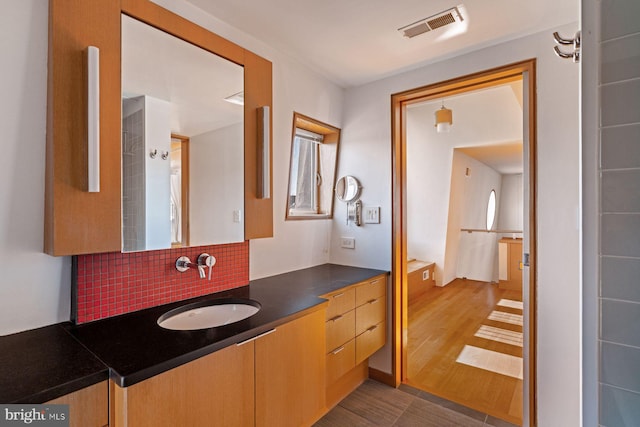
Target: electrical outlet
372,215
348,242
237,215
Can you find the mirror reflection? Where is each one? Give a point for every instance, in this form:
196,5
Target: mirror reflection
348,189
314,151
182,143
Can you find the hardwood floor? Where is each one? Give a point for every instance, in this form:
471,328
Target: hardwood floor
464,345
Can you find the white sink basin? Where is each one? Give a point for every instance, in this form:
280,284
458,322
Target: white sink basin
208,314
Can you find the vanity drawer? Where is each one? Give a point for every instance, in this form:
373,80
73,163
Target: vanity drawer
371,289
371,313
340,329
341,360
370,341
340,302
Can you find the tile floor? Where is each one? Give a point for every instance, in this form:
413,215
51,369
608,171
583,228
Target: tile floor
374,403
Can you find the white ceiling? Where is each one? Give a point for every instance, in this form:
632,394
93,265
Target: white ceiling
353,42
487,125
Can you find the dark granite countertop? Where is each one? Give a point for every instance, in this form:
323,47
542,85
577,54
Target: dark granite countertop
40,365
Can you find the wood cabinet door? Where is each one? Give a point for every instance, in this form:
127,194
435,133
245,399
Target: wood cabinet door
340,329
340,361
515,262
370,314
340,302
88,407
290,373
371,289
370,341
217,389
76,221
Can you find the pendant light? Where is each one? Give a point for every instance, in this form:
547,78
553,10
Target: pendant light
444,119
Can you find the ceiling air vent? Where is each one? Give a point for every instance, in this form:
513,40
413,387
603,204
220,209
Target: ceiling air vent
433,22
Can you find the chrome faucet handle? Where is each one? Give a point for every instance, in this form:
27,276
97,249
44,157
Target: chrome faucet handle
183,263
206,260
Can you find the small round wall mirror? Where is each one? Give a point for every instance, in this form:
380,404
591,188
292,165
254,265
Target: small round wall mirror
348,189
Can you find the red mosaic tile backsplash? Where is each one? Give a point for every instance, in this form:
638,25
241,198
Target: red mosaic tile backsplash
117,283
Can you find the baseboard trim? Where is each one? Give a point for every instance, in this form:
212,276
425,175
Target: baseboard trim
382,377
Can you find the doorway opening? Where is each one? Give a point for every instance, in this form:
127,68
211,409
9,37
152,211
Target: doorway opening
467,238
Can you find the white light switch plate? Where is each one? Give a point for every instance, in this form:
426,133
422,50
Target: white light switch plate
348,242
372,215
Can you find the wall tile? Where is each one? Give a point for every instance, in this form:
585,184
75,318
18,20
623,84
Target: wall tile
620,278
620,103
620,235
620,59
620,322
619,366
621,191
117,283
618,408
620,147
619,18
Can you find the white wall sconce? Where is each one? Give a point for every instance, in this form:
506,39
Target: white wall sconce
444,119
264,154
92,59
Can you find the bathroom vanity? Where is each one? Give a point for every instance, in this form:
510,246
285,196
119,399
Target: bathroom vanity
273,367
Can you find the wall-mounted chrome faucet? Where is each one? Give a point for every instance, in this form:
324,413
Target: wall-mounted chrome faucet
204,260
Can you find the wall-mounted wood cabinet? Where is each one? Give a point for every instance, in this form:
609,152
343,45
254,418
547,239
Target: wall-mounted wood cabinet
215,389
76,221
356,328
88,407
80,222
276,379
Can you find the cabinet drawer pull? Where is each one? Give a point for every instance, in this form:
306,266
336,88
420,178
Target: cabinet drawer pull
371,329
264,334
335,319
337,350
337,295
373,301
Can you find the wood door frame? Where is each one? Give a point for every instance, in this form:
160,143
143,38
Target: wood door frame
399,101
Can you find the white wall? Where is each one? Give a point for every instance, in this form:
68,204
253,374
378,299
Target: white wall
216,162
471,255
510,209
366,153
35,288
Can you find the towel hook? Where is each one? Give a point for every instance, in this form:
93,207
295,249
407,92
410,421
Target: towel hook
576,42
